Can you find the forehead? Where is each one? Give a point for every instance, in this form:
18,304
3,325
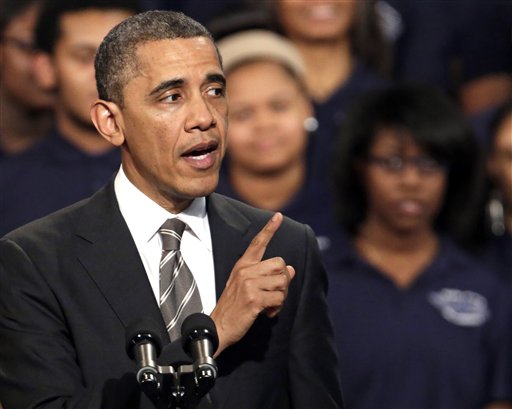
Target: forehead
89,25
398,138
261,75
183,58
23,23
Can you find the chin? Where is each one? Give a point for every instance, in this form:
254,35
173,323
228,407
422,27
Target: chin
201,188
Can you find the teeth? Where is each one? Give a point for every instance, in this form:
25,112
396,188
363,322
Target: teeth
200,157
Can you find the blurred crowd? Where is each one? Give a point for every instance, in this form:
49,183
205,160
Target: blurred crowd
384,125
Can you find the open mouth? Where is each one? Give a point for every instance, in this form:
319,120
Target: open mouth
411,207
201,151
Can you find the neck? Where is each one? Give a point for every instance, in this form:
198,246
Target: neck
322,78
21,128
271,191
82,135
401,257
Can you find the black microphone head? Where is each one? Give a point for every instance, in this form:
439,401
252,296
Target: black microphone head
143,329
199,326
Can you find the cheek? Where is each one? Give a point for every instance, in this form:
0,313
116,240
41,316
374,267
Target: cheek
15,67
21,64
220,110
240,136
240,133
69,80
436,194
294,132
377,188
507,177
504,172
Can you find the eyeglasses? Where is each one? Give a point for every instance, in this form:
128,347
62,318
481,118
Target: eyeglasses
397,164
23,45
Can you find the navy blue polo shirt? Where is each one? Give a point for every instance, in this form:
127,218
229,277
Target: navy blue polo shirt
442,343
498,256
51,175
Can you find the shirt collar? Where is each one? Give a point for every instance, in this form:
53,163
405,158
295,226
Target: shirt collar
144,216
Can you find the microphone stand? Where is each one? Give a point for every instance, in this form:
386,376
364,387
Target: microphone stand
184,385
177,385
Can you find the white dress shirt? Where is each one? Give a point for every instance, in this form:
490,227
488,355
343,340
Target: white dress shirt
144,217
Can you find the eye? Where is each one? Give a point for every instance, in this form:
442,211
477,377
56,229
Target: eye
174,97
280,105
216,91
84,56
393,163
240,115
428,164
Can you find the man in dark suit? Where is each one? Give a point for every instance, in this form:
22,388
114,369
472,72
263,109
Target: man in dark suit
72,282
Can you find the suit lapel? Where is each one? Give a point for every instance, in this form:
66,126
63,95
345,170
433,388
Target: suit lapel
105,248
230,237
107,251
229,230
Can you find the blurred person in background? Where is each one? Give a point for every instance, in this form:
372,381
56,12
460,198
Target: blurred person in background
345,54
498,253
25,107
429,325
200,10
270,122
73,161
485,55
460,46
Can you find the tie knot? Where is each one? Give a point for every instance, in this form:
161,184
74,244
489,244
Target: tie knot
170,233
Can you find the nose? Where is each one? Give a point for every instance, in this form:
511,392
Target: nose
410,175
200,115
264,119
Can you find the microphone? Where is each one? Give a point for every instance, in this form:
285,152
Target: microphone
143,344
200,341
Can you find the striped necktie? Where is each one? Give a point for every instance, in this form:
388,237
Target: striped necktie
179,295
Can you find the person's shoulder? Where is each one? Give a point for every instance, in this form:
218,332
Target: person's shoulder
367,78
53,228
468,267
257,217
15,168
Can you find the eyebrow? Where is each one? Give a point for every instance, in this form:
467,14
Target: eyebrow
178,82
216,78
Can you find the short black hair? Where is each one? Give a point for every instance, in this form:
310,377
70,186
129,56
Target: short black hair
12,9
47,30
437,125
116,60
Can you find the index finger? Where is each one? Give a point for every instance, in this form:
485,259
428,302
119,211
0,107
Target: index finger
255,250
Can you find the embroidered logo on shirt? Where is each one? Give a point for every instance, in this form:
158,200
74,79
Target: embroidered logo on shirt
461,307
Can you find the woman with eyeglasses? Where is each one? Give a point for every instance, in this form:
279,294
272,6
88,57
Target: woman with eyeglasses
419,323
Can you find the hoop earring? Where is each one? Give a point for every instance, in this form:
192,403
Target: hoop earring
311,124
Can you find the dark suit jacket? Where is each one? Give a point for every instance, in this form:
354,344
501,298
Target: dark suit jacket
70,283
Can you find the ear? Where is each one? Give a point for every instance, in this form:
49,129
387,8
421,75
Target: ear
107,119
44,71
